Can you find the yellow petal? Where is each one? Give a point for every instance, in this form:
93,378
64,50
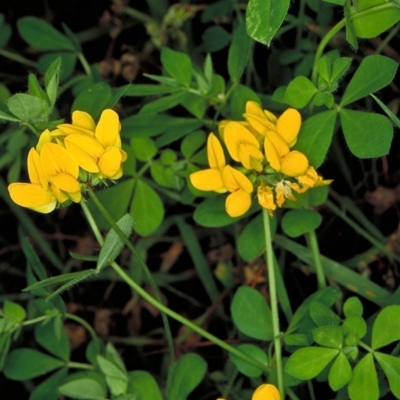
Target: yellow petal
235,180
110,162
85,150
32,196
288,126
208,179
45,137
251,157
83,120
275,149
265,196
107,130
56,159
215,153
75,197
266,392
69,129
237,203
35,170
262,121
66,183
294,164
235,134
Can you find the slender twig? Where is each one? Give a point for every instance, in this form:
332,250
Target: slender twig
313,243
274,302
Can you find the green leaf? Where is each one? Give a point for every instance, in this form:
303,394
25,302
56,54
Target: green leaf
315,136
340,372
115,199
364,382
116,378
7,117
143,385
14,311
192,142
251,242
51,80
329,336
139,90
351,36
24,364
211,213
113,244
371,18
254,352
51,335
299,92
353,307
5,342
41,35
143,148
367,135
5,32
195,104
83,389
27,108
177,64
165,103
215,38
146,208
184,376
297,222
93,99
239,53
374,73
68,61
391,368
337,2
264,18
35,89
251,314
323,315
48,389
308,362
356,325
386,328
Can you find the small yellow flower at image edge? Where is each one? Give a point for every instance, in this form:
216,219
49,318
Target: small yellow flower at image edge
269,169
265,391
69,160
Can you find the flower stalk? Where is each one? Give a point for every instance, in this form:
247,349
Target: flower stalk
274,302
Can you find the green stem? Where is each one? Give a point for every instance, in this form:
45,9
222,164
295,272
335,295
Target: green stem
387,39
274,302
36,320
313,243
145,269
230,383
300,18
320,49
85,64
141,292
87,326
16,57
142,17
78,365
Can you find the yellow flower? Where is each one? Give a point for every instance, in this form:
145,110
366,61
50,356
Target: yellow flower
266,198
221,178
211,179
62,172
239,201
96,148
266,392
36,195
287,126
243,146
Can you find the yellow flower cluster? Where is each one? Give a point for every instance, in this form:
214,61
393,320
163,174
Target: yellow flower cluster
65,159
262,144
265,391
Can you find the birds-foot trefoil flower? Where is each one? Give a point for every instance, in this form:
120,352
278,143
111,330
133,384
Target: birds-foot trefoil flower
275,173
69,160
